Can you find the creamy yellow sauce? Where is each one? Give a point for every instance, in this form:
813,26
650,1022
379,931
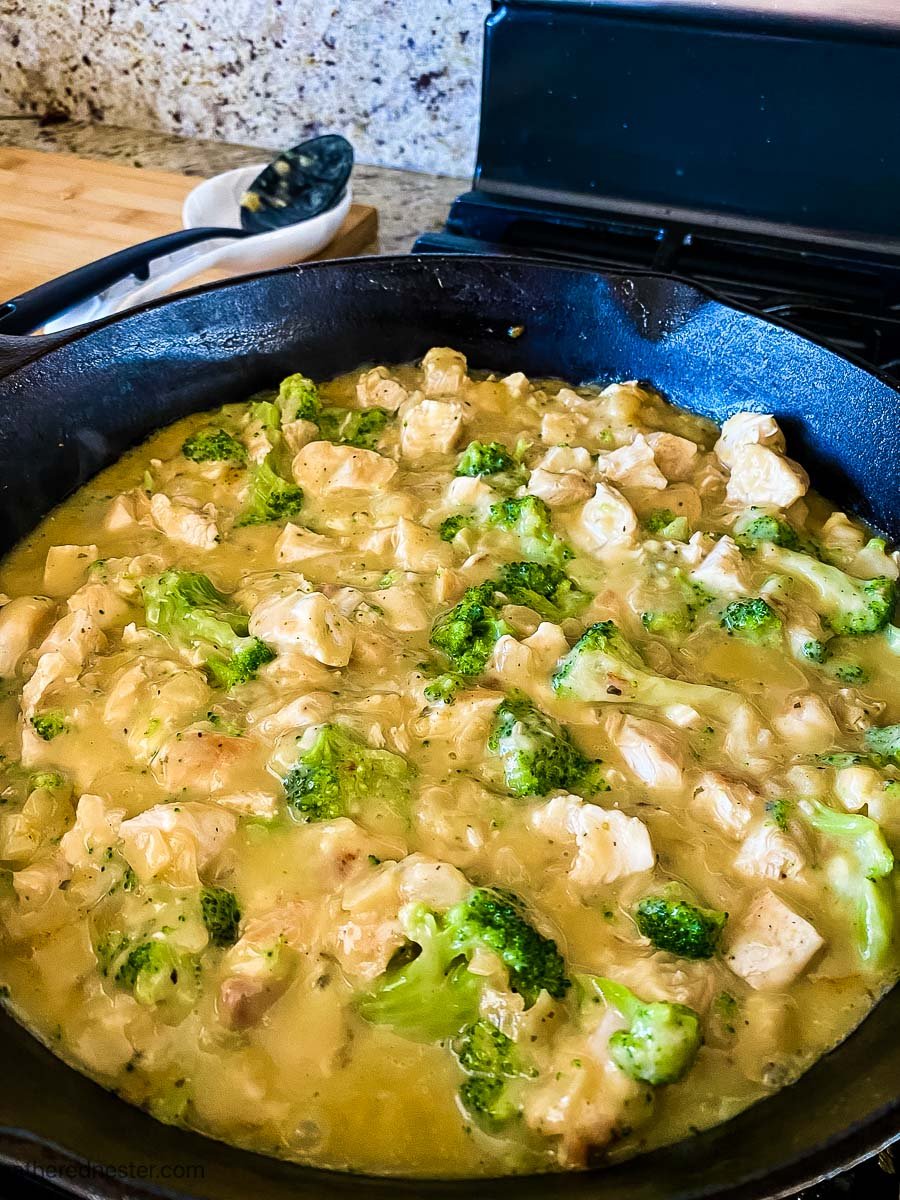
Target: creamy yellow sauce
132,779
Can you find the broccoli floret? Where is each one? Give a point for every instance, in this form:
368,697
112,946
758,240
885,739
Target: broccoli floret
681,928
491,1060
850,606
537,754
221,915
443,689
848,672
298,399
779,812
49,781
270,498
495,919
152,970
268,414
467,633
352,427
544,587
48,725
451,526
431,996
752,619
860,875
603,666
528,517
666,523
667,622
816,652
187,608
213,445
751,531
662,1040
884,740
337,773
485,458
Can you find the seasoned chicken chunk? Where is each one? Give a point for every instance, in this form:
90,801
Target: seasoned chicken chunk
376,389
675,456
609,844
760,476
307,622
723,569
445,371
61,656
187,523
322,468
65,568
769,853
747,429
22,621
608,519
430,427
805,721
726,803
632,466
652,751
772,945
181,841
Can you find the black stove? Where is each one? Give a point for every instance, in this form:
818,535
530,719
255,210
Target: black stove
751,152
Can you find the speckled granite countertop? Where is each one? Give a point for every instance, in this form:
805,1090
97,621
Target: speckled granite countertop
408,203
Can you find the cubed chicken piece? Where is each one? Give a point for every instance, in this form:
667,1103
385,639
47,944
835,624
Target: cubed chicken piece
517,385
858,786
43,819
748,429
105,606
749,743
66,566
36,884
769,853
322,467
22,622
296,544
662,976
343,851
723,570
851,548
652,751
609,844
368,932
559,489
632,466
444,371
259,967
527,664
188,524
806,723
772,945
311,708
307,622
298,434
584,1100
61,656
762,477
608,519
184,842
468,490
419,549
257,440
403,608
726,803
675,456
376,389
564,429
430,427
150,699
560,459
123,513
201,760
463,725
625,403
454,822
438,885
96,828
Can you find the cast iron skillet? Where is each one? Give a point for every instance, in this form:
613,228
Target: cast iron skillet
71,405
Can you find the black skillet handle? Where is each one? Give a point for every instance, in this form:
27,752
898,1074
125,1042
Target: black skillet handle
33,309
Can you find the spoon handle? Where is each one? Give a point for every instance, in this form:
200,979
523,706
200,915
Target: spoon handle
55,301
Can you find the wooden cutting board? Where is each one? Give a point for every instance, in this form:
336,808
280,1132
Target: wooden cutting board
60,211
